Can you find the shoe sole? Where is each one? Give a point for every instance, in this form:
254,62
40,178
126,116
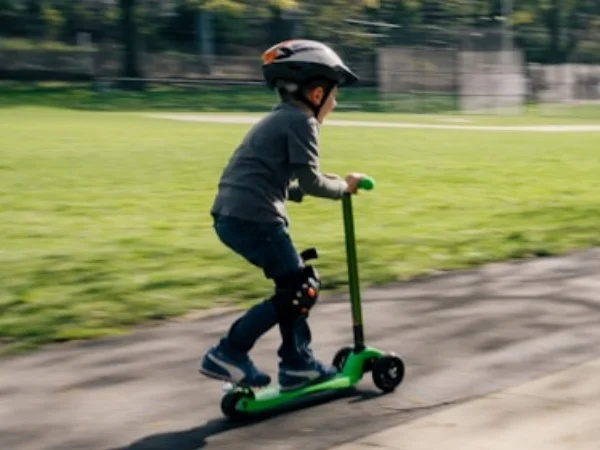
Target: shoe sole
225,379
216,376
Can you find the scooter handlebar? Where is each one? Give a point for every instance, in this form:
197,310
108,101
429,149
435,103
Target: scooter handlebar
367,183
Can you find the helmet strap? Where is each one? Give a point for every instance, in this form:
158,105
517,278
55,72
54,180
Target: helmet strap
316,109
294,91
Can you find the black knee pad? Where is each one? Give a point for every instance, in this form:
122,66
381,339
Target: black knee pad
296,294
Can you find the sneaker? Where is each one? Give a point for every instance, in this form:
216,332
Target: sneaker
239,371
310,372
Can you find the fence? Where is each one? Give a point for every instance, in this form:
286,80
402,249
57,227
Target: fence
418,69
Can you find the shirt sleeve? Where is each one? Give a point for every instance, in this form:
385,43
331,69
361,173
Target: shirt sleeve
313,183
303,147
303,143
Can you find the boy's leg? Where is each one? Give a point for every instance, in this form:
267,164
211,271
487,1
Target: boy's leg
269,247
297,367
229,359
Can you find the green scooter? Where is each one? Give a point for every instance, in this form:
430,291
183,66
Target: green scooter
352,362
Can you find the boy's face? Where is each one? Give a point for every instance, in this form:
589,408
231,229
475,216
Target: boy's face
316,97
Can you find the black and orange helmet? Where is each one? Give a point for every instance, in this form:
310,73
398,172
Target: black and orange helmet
301,60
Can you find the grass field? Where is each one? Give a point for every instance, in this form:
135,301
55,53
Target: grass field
104,219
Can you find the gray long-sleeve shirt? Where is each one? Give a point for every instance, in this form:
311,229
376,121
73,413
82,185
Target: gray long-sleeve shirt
280,148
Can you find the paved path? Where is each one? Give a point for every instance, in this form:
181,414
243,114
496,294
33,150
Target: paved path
463,336
557,412
248,119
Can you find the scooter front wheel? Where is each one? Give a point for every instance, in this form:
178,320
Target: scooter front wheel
388,372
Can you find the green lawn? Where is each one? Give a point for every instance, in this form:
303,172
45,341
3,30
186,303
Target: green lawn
104,217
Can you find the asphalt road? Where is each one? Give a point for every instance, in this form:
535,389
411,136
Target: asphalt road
462,335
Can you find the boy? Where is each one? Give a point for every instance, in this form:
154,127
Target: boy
250,216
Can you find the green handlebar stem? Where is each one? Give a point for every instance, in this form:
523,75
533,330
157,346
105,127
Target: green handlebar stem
366,184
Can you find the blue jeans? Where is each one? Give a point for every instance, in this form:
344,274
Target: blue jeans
267,246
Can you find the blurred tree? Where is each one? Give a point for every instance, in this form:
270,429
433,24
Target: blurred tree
150,17
106,22
551,30
33,13
326,20
11,19
283,20
129,34
208,16
78,17
53,21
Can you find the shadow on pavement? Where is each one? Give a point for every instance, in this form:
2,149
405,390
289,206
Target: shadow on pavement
195,438
191,439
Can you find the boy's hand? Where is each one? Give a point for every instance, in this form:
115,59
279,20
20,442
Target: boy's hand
352,181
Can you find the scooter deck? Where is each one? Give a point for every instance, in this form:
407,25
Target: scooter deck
272,396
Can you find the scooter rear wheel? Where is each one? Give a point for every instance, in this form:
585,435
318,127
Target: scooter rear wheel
229,403
388,372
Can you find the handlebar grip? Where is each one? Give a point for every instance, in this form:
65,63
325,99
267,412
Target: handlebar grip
366,184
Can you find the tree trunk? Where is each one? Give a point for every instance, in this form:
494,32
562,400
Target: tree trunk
131,67
553,24
205,39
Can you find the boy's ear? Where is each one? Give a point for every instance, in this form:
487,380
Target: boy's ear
315,95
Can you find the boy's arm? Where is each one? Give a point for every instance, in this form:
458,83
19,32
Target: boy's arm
304,156
311,182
